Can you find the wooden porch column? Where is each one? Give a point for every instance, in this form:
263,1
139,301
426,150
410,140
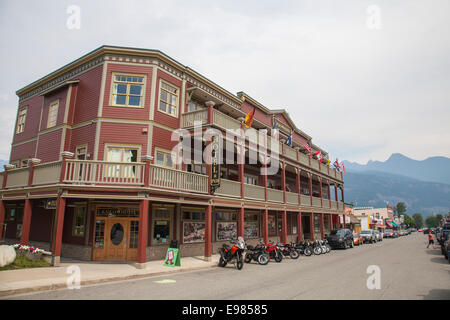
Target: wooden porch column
335,193
284,227
320,192
2,218
283,180
311,221
299,189
58,228
144,204
241,161
208,232
330,221
299,227
322,226
26,224
329,192
241,215
310,187
265,226
342,195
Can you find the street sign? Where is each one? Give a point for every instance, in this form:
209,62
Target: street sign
172,258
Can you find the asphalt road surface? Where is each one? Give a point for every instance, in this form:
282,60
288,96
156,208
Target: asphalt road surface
406,268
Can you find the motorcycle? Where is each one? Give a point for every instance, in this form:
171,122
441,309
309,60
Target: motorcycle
288,250
232,254
323,246
317,249
327,245
304,248
257,253
274,252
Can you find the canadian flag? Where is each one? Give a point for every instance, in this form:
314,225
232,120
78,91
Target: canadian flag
319,155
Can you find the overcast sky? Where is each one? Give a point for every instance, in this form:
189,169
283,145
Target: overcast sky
365,79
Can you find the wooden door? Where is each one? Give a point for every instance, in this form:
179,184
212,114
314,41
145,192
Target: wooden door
116,239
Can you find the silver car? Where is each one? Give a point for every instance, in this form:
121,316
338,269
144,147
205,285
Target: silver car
368,236
378,235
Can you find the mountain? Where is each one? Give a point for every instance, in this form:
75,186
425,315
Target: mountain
373,188
434,169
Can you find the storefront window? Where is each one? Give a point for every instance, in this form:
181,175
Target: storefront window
99,233
161,222
193,225
79,217
317,224
251,225
272,224
226,225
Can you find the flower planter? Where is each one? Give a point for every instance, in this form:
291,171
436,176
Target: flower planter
29,255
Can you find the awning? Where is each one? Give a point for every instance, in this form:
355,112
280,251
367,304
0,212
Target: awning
395,224
389,224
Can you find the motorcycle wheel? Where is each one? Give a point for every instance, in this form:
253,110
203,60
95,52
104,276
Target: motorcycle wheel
263,259
328,248
317,250
222,262
239,264
307,252
248,258
278,257
294,254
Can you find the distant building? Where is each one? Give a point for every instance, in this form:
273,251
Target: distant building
378,218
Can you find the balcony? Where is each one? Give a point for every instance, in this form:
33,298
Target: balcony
225,122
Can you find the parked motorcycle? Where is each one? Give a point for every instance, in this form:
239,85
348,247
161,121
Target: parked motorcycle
274,252
288,250
257,253
317,248
232,254
304,248
327,245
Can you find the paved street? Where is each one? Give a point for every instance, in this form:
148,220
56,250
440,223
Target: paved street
408,271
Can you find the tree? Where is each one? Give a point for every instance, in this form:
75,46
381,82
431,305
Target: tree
431,222
400,208
439,218
418,219
410,222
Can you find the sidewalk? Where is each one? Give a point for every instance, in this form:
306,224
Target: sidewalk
38,279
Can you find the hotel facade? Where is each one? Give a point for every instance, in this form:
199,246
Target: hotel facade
93,174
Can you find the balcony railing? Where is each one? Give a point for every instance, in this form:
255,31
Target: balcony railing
316,202
224,121
326,203
274,195
230,188
47,173
291,153
254,192
178,180
291,198
306,200
189,118
17,178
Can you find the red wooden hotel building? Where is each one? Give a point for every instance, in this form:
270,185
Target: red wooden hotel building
91,175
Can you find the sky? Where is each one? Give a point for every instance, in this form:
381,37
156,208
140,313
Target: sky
364,79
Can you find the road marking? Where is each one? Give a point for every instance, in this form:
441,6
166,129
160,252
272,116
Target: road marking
166,281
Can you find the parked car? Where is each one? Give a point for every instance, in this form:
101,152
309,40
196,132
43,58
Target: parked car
368,236
443,237
340,238
446,249
378,235
396,234
357,239
413,230
420,230
388,233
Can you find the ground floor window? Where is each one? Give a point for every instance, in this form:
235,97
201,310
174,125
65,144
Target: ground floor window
251,225
79,220
161,224
193,220
271,225
317,230
226,225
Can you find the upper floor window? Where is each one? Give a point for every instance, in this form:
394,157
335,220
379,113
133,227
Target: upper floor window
164,158
52,114
122,154
127,90
21,121
168,99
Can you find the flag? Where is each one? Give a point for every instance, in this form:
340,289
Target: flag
275,132
319,155
307,146
337,166
327,160
289,139
342,167
249,118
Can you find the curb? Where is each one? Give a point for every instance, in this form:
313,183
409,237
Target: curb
56,286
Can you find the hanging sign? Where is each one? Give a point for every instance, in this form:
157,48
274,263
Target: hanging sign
172,258
50,204
215,163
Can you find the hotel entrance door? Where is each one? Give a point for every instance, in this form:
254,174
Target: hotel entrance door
116,239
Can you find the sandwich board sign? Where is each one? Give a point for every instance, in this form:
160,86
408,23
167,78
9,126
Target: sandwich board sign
172,258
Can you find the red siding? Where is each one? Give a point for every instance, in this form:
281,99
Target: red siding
80,136
122,133
126,112
41,222
161,139
259,115
87,99
49,146
23,151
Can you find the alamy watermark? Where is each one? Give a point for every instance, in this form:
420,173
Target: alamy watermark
374,280
74,19
74,279
373,21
